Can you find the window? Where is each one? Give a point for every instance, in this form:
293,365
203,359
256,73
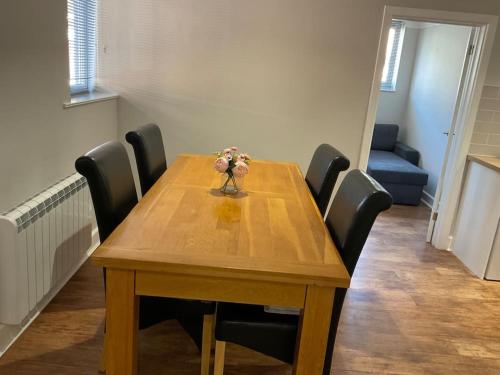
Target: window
392,56
82,16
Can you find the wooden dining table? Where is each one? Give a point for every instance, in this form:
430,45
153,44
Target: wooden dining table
266,245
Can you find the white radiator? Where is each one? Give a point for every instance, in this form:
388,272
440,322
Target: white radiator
43,241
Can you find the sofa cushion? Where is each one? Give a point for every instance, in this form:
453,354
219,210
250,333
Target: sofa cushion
385,166
384,137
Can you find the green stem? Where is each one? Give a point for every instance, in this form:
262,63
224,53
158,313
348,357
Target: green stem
223,188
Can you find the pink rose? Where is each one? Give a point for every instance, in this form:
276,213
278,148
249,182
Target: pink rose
234,148
243,157
221,165
240,169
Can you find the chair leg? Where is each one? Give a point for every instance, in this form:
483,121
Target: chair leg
102,364
220,351
206,343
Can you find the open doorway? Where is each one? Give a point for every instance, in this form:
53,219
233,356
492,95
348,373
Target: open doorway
421,80
430,71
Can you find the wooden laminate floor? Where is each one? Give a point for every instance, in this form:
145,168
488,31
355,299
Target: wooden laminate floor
411,310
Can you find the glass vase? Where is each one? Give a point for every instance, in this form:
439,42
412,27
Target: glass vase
230,184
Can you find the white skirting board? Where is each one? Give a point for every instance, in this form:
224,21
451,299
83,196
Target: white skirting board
427,199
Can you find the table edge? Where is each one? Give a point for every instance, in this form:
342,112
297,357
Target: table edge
342,280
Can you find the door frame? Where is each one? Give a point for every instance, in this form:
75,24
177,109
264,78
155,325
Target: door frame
466,110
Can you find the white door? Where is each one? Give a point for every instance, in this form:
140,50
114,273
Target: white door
445,130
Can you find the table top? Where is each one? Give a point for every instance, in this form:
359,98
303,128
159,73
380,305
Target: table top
271,231
492,162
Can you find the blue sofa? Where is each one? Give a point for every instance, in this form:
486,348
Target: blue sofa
394,165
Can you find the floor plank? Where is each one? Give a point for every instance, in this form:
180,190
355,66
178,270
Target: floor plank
411,310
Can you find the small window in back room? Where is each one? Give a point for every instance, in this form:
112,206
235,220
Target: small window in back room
82,24
392,56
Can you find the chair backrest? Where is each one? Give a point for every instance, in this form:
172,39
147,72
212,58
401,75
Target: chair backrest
111,184
353,211
149,154
384,137
326,164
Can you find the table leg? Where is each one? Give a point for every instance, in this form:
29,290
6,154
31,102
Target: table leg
206,345
313,331
121,322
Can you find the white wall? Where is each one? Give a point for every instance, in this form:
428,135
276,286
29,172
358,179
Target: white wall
39,139
392,104
276,77
433,93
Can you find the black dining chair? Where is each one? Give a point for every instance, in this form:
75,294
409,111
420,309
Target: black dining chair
354,209
326,164
149,154
109,176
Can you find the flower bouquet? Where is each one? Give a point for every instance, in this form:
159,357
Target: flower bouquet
233,166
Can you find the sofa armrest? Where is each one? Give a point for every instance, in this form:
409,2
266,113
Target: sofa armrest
407,153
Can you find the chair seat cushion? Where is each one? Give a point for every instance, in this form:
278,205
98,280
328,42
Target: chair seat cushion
252,327
385,166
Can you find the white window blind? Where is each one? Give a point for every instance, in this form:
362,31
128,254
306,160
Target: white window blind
82,23
392,56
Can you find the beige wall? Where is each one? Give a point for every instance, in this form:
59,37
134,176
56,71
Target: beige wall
263,75
39,139
276,77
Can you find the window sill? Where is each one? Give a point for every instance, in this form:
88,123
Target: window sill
388,90
99,95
